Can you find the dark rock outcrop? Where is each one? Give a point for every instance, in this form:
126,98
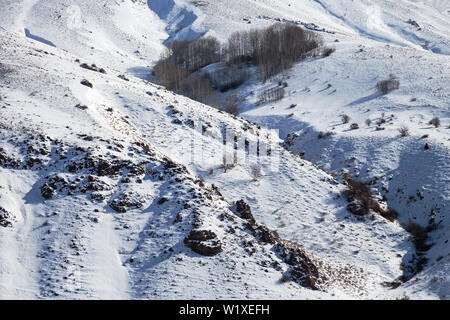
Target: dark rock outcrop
203,242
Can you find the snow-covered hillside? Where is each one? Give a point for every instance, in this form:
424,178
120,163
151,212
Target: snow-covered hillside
112,187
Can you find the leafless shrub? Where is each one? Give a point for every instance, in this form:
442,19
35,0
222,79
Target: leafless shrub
227,162
330,133
273,50
404,131
4,70
232,109
323,135
345,118
419,235
436,122
328,51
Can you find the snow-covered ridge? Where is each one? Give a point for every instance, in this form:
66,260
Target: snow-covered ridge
102,214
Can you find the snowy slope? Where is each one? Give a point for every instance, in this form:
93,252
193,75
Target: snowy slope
131,146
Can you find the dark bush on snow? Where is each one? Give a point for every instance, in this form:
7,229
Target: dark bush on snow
345,118
404,131
203,242
272,50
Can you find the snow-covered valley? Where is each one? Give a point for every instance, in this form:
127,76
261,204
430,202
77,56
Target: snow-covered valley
112,187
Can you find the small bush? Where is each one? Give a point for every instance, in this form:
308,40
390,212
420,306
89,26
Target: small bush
328,51
362,202
419,235
404,131
360,198
345,118
368,122
386,86
86,83
389,214
436,122
231,105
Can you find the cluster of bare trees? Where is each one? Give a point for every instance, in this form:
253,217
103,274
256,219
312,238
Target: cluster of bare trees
273,50
195,54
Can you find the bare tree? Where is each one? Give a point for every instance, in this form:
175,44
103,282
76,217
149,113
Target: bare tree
436,122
